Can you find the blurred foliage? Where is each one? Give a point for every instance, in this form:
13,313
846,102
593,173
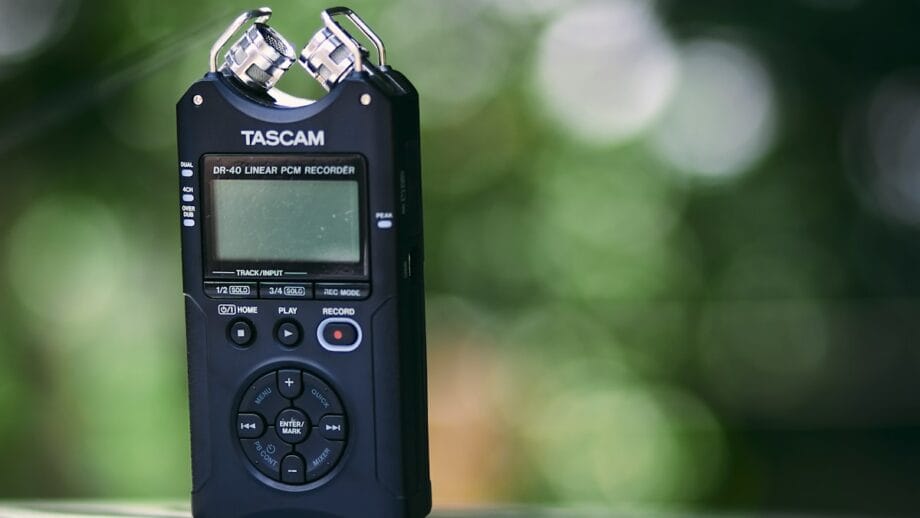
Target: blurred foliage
672,248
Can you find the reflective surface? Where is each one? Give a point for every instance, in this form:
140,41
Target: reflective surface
153,510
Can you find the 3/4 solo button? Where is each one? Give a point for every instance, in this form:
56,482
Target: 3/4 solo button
285,290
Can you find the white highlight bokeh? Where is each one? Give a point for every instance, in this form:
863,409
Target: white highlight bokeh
27,25
455,55
604,71
891,169
723,116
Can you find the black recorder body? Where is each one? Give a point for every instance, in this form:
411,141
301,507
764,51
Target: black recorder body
302,270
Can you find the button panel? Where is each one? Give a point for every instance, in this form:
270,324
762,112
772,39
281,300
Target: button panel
291,426
287,290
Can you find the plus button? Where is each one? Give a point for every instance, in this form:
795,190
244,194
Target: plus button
290,383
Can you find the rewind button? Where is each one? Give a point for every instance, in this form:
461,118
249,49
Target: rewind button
249,426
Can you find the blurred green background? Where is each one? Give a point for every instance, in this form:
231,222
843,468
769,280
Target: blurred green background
672,247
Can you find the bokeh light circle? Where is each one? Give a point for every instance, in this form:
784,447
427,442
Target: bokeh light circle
66,262
882,148
722,118
605,70
624,443
765,358
28,25
454,55
605,225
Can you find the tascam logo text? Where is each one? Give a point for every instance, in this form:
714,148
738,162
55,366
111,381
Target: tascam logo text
284,137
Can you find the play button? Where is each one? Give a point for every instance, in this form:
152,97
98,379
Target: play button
288,333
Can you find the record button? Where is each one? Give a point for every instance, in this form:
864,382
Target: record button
339,334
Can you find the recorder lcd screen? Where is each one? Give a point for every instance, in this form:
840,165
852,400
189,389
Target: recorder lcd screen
303,221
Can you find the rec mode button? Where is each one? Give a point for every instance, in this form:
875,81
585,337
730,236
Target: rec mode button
285,290
329,291
230,290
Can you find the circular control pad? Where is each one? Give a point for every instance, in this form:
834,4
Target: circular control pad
292,426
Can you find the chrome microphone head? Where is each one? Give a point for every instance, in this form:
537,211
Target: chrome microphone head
327,58
332,53
259,58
